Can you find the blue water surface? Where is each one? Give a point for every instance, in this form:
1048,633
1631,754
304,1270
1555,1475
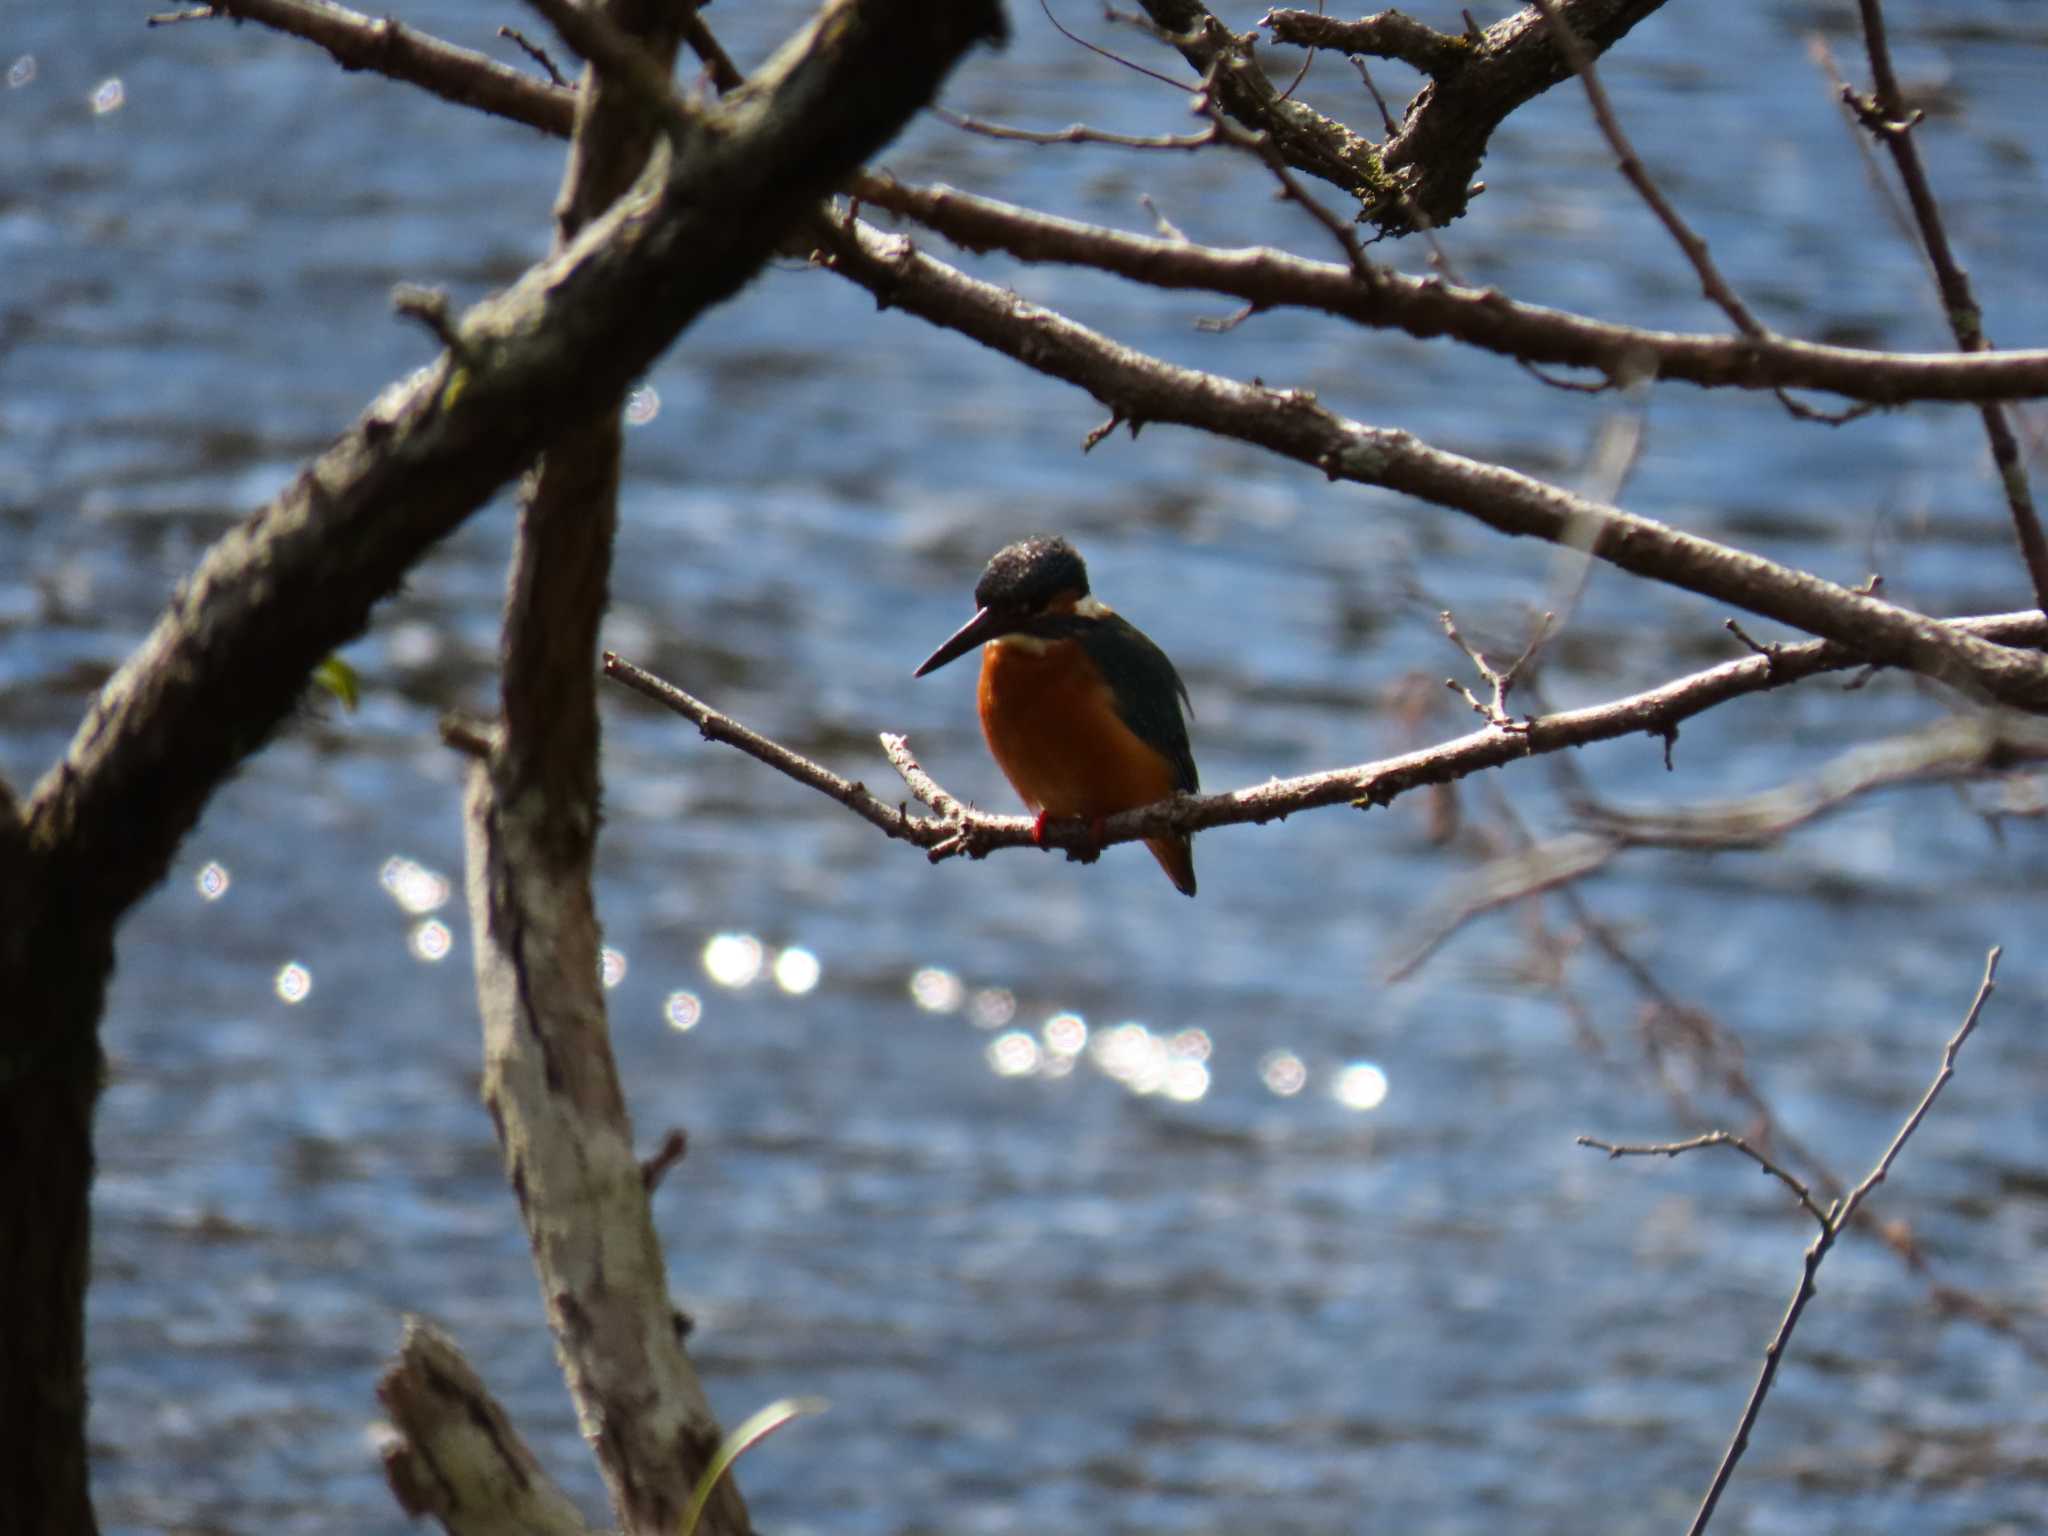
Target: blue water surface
1088,1207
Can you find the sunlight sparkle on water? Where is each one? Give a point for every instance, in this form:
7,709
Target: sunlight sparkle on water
1131,1054
1361,1085
797,971
212,880
682,1010
109,96
1013,1053
1283,1073
733,959
642,405
21,71
936,991
611,966
416,888
294,982
430,940
1185,1081
1066,1034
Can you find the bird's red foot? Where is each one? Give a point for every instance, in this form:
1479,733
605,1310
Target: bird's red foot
1038,829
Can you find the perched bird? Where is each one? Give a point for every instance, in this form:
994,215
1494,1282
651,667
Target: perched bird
1082,712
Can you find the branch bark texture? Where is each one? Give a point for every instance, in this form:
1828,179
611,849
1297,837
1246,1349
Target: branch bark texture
551,1082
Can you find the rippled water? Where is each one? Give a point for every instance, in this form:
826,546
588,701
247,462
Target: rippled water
1088,1207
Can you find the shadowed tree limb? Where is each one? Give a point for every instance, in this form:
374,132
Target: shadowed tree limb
551,1082
1431,162
229,658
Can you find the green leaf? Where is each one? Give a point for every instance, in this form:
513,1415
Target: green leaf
339,679
759,1426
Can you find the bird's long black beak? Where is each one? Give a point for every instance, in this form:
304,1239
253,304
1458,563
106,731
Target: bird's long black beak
983,626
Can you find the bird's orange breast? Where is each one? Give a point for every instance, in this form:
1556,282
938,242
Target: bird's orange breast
1053,727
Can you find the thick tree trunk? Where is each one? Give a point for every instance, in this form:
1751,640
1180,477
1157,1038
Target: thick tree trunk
53,977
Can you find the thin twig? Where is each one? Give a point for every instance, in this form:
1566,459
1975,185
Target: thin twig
535,52
1886,115
1832,1222
1711,1139
1076,133
1712,284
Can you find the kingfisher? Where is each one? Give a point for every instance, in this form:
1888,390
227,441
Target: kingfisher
1082,712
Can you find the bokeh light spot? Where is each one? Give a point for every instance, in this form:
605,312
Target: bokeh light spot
682,1010
430,940
611,966
21,71
416,888
1013,1053
797,971
294,982
212,880
1132,1055
935,990
1185,1080
733,959
1361,1085
109,96
1283,1073
1066,1034
642,405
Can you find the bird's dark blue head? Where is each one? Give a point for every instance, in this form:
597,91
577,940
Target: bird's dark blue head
1029,577
1023,582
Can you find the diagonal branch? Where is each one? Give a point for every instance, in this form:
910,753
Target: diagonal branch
551,1082
1263,277
1428,307
1293,424
1712,284
389,47
228,659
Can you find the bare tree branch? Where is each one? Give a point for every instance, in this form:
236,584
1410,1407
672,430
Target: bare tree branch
1833,1222
1265,278
228,659
551,1082
1382,35
1885,114
452,1454
1961,748
1291,423
1482,317
1432,161
1306,139
955,828
1712,283
391,48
